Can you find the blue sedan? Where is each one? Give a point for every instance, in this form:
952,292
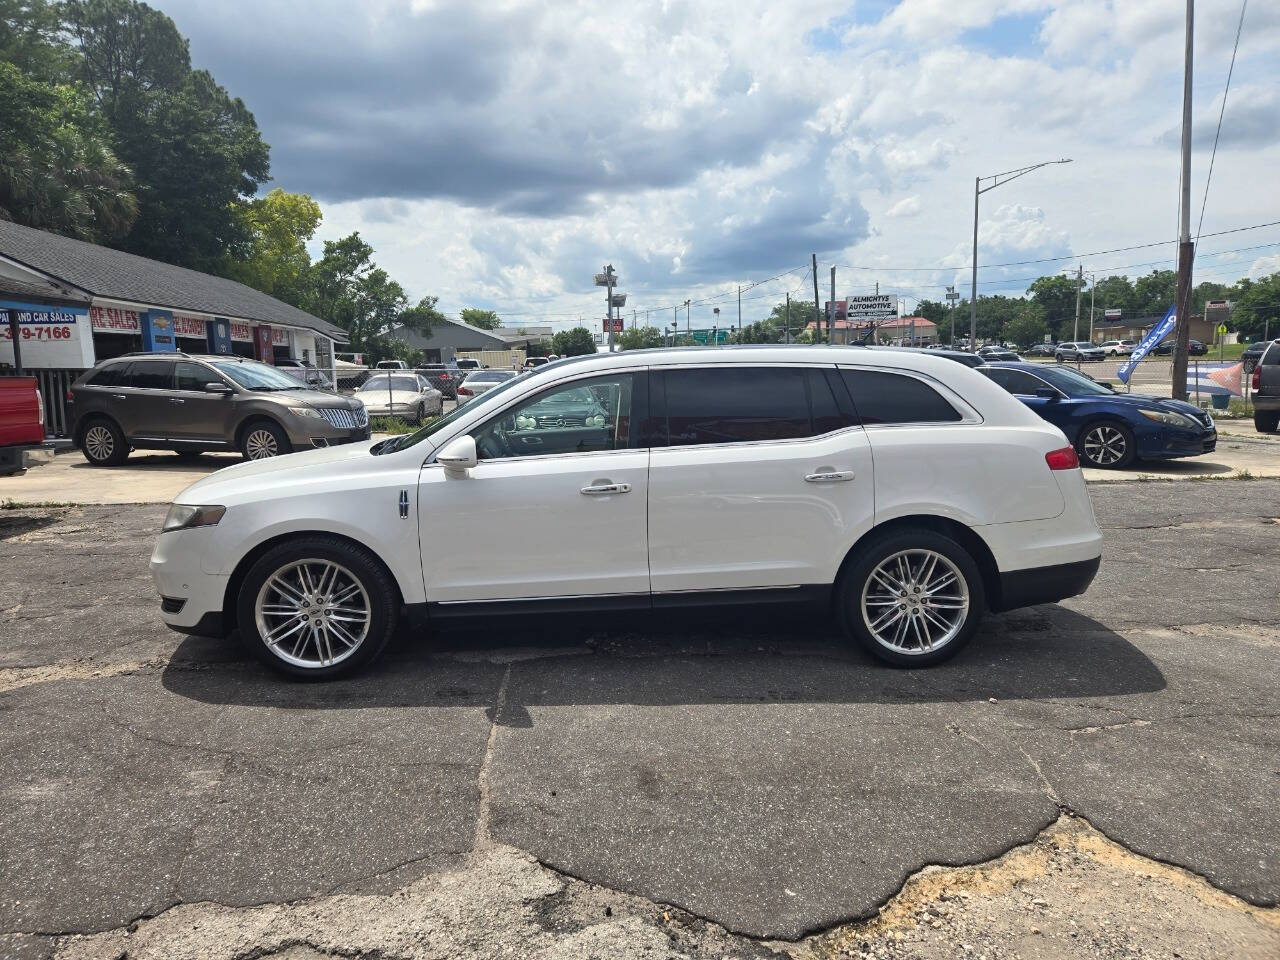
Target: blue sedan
1108,429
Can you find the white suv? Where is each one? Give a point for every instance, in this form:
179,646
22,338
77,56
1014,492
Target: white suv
905,490
1119,348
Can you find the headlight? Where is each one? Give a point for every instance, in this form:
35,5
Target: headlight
308,412
183,516
1172,419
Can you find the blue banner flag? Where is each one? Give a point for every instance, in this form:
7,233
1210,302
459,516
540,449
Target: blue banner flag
1149,342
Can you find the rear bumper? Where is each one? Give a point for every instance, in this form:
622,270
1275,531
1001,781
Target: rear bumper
1026,588
1262,401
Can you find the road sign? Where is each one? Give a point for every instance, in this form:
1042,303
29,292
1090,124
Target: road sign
871,306
1113,314
612,326
619,299
704,336
1222,329
952,295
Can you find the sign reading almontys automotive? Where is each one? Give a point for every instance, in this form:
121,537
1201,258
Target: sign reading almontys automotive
1157,333
870,306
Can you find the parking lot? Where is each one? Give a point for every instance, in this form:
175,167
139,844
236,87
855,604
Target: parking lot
678,787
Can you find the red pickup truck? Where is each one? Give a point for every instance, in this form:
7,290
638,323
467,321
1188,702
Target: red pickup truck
21,421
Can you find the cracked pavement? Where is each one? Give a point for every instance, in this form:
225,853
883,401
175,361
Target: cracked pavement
755,779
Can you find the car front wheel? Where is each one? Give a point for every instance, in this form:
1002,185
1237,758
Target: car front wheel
1109,446
263,439
912,599
1266,421
317,607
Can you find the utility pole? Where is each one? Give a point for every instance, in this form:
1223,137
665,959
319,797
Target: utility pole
817,317
739,306
1075,334
786,330
688,328
1182,328
1093,290
830,318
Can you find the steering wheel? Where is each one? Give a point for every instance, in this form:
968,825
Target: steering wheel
492,444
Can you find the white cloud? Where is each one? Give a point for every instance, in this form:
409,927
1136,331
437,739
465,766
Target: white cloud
906,207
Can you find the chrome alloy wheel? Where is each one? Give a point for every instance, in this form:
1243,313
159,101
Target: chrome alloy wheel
260,444
915,601
1104,445
99,444
312,613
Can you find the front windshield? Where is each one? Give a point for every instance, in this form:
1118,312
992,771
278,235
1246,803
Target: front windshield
486,399
1073,384
396,383
256,376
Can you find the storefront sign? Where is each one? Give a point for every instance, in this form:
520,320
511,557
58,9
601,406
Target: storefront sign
157,331
184,326
241,332
262,344
113,320
279,337
51,337
219,336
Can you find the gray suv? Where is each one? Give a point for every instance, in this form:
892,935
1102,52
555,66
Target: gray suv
1266,390
190,404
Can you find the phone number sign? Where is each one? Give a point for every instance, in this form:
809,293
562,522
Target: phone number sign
50,336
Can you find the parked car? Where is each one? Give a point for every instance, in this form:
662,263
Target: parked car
958,356
1195,348
194,403
1042,350
467,363
715,477
1078,350
1118,348
1108,429
1265,383
481,381
405,395
989,354
532,362
305,373
392,365
21,422
1253,353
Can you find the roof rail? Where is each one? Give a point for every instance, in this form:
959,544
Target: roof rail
155,353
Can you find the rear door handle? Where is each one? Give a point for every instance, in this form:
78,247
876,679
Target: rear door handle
601,489
176,400
831,476
120,396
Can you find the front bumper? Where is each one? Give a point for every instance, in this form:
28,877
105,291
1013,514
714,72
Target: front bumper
1169,444
191,599
320,433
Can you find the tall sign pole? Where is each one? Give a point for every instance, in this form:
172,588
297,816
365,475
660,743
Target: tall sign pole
1075,333
1182,328
973,291
607,278
817,317
831,312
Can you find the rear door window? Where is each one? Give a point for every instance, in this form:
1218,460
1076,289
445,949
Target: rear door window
884,398
151,374
713,405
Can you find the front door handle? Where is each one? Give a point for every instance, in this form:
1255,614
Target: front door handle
176,400
120,396
601,489
830,476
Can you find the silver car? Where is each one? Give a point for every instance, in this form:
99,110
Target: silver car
405,395
480,381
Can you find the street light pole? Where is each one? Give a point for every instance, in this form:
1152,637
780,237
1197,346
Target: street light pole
1075,331
997,179
1182,308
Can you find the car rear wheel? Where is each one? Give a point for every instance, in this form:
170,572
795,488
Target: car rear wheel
263,439
912,599
1266,421
317,607
1109,446
420,415
104,444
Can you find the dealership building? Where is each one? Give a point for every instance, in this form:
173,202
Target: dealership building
78,303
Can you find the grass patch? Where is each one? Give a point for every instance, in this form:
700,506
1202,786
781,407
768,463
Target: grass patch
394,425
32,504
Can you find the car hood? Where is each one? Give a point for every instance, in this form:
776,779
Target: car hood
311,398
1160,403
379,398
226,483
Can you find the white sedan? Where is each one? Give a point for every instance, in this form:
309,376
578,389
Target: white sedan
405,395
905,491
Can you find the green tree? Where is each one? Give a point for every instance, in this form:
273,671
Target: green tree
1027,326
574,343
540,348
350,291
1154,294
31,40
639,338
57,169
422,316
1057,295
482,319
1257,310
195,151
279,226
1114,293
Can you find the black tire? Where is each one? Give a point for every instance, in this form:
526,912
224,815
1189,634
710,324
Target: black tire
1106,436
421,415
1266,421
263,439
356,561
103,443
854,581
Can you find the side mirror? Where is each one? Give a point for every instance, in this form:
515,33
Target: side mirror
1047,392
216,388
458,455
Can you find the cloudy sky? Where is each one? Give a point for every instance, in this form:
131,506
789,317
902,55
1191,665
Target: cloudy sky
497,154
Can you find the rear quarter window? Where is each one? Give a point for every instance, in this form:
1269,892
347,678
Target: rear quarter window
1271,358
111,375
883,398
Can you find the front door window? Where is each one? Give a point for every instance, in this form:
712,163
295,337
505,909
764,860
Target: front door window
585,416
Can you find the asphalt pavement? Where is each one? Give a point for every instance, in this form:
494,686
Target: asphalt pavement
754,772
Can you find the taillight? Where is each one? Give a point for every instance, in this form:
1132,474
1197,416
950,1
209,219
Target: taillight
465,392
1256,381
40,405
1063,459
71,397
